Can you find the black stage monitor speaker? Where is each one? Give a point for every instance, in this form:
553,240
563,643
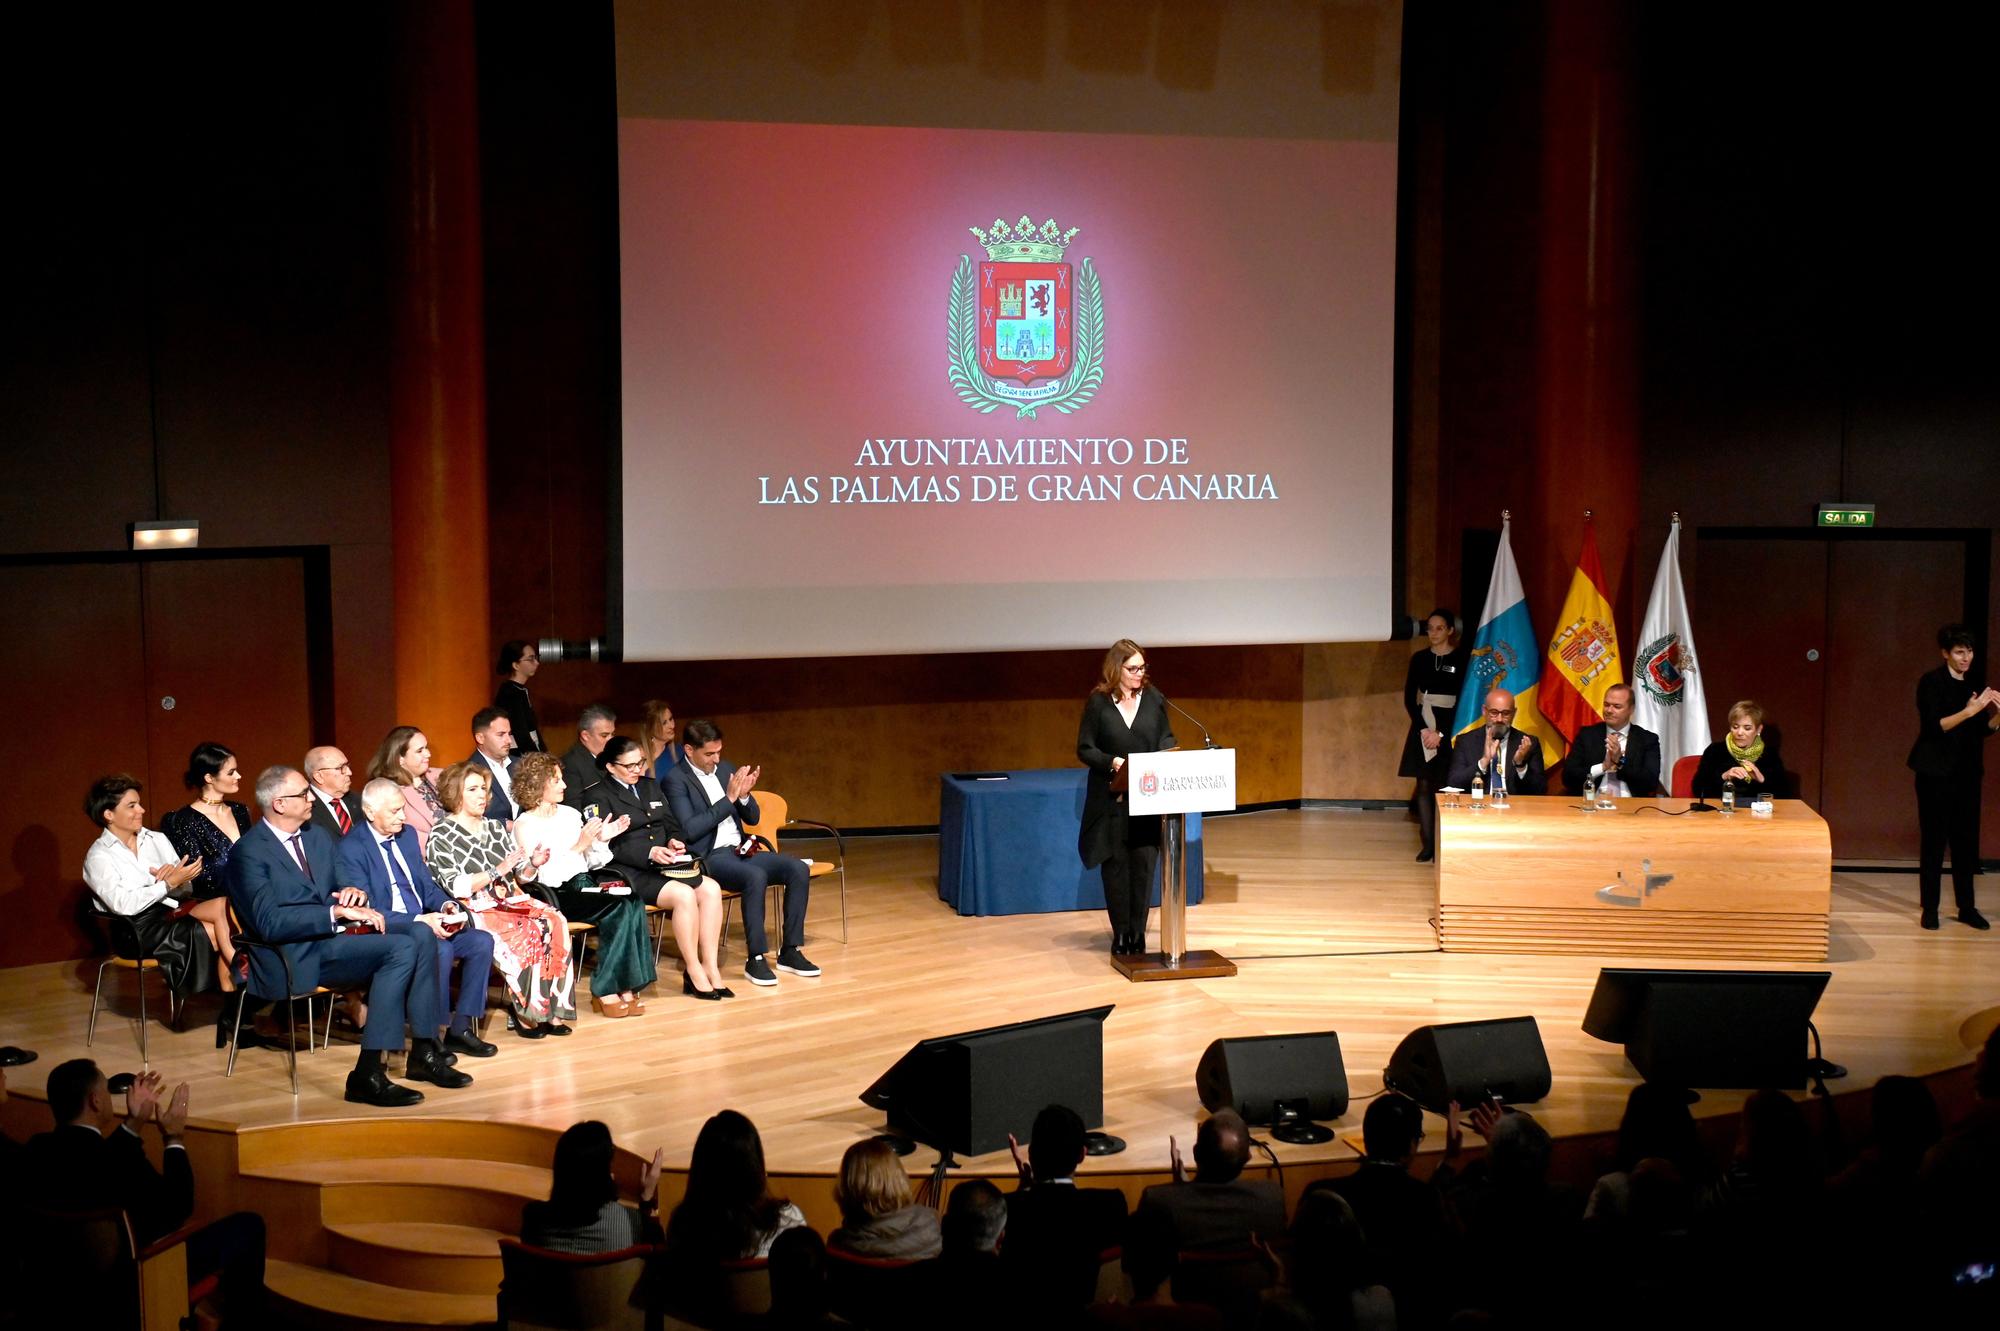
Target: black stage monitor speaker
1256,1074
964,1093
1742,1029
1471,1061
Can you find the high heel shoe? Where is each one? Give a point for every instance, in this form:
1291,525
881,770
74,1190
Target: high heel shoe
687,987
610,1007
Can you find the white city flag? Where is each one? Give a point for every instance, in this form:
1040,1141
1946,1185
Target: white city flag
1666,675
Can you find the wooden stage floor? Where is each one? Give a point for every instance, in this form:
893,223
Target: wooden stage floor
1324,911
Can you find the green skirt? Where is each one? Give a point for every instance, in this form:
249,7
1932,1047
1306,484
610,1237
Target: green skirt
624,950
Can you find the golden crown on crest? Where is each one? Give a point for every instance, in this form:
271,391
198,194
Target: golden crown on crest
1023,243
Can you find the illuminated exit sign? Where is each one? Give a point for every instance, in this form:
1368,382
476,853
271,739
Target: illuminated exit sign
1847,515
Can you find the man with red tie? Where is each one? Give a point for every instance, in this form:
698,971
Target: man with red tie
335,809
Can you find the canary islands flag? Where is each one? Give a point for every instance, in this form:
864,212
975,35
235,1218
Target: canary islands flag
1583,655
1506,655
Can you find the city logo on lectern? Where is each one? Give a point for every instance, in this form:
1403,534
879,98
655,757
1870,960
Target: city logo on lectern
1026,327
1149,784
1664,665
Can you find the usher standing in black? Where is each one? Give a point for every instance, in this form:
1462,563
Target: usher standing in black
1124,715
1955,717
1430,695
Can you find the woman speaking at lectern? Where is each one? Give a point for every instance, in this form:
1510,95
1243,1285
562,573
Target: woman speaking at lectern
1124,715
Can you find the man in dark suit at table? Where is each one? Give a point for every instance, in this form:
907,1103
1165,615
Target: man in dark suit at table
1497,747
1626,757
93,1162
335,807
493,746
1057,1232
281,882
711,800
380,864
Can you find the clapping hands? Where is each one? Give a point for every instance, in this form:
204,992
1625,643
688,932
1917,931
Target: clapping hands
741,782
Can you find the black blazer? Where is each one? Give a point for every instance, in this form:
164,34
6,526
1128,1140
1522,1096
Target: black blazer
1101,736
1640,771
1469,748
501,808
582,778
1954,752
1056,1232
73,1169
1715,760
323,819
653,821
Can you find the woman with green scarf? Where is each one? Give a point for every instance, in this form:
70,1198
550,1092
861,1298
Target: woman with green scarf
1744,756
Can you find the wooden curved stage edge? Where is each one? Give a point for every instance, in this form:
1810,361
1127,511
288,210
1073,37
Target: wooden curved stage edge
1325,912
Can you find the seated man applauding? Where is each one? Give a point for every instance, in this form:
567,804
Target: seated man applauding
281,882
1219,1208
380,866
711,800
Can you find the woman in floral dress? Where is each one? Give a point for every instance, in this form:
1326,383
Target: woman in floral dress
476,860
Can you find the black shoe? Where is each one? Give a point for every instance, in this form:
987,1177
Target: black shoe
793,962
725,992
429,1065
246,1038
687,987
468,1042
1118,945
371,1086
1973,918
550,1028
120,1082
758,971
1929,920
13,1056
1425,855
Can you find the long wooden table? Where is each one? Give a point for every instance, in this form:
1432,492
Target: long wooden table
1544,875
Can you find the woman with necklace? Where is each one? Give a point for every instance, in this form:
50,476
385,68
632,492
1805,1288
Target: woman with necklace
1430,694
207,830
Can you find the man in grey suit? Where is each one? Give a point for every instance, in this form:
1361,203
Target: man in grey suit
1218,1209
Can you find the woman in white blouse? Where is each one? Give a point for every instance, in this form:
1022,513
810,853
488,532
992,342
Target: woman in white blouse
134,871
575,847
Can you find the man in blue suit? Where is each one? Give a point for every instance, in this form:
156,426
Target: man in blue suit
281,881
711,800
493,746
378,865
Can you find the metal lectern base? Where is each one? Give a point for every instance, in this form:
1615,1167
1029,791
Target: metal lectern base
1200,964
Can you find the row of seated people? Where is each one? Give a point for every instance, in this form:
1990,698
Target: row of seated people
1617,752
434,857
1667,1236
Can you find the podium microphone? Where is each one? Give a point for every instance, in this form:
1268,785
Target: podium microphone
1207,740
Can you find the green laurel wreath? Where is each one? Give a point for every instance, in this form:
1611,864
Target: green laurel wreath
1087,339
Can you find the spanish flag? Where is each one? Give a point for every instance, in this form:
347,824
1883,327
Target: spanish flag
1583,655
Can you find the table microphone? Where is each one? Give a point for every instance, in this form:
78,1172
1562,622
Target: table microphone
1207,740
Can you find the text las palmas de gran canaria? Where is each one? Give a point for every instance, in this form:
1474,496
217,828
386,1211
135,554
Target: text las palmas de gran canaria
876,480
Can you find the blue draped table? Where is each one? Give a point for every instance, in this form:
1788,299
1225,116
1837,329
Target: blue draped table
1008,846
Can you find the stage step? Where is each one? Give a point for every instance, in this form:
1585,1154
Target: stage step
322,1300
418,1254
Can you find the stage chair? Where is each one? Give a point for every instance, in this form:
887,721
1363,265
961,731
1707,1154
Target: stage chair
246,943
1227,1279
95,1273
1682,786
542,1290
774,816
127,953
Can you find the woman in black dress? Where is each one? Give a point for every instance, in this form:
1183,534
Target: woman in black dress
1746,756
1955,714
1124,715
207,830
519,660
1430,694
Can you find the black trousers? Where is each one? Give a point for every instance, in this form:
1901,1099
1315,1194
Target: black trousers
1128,874
1947,816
